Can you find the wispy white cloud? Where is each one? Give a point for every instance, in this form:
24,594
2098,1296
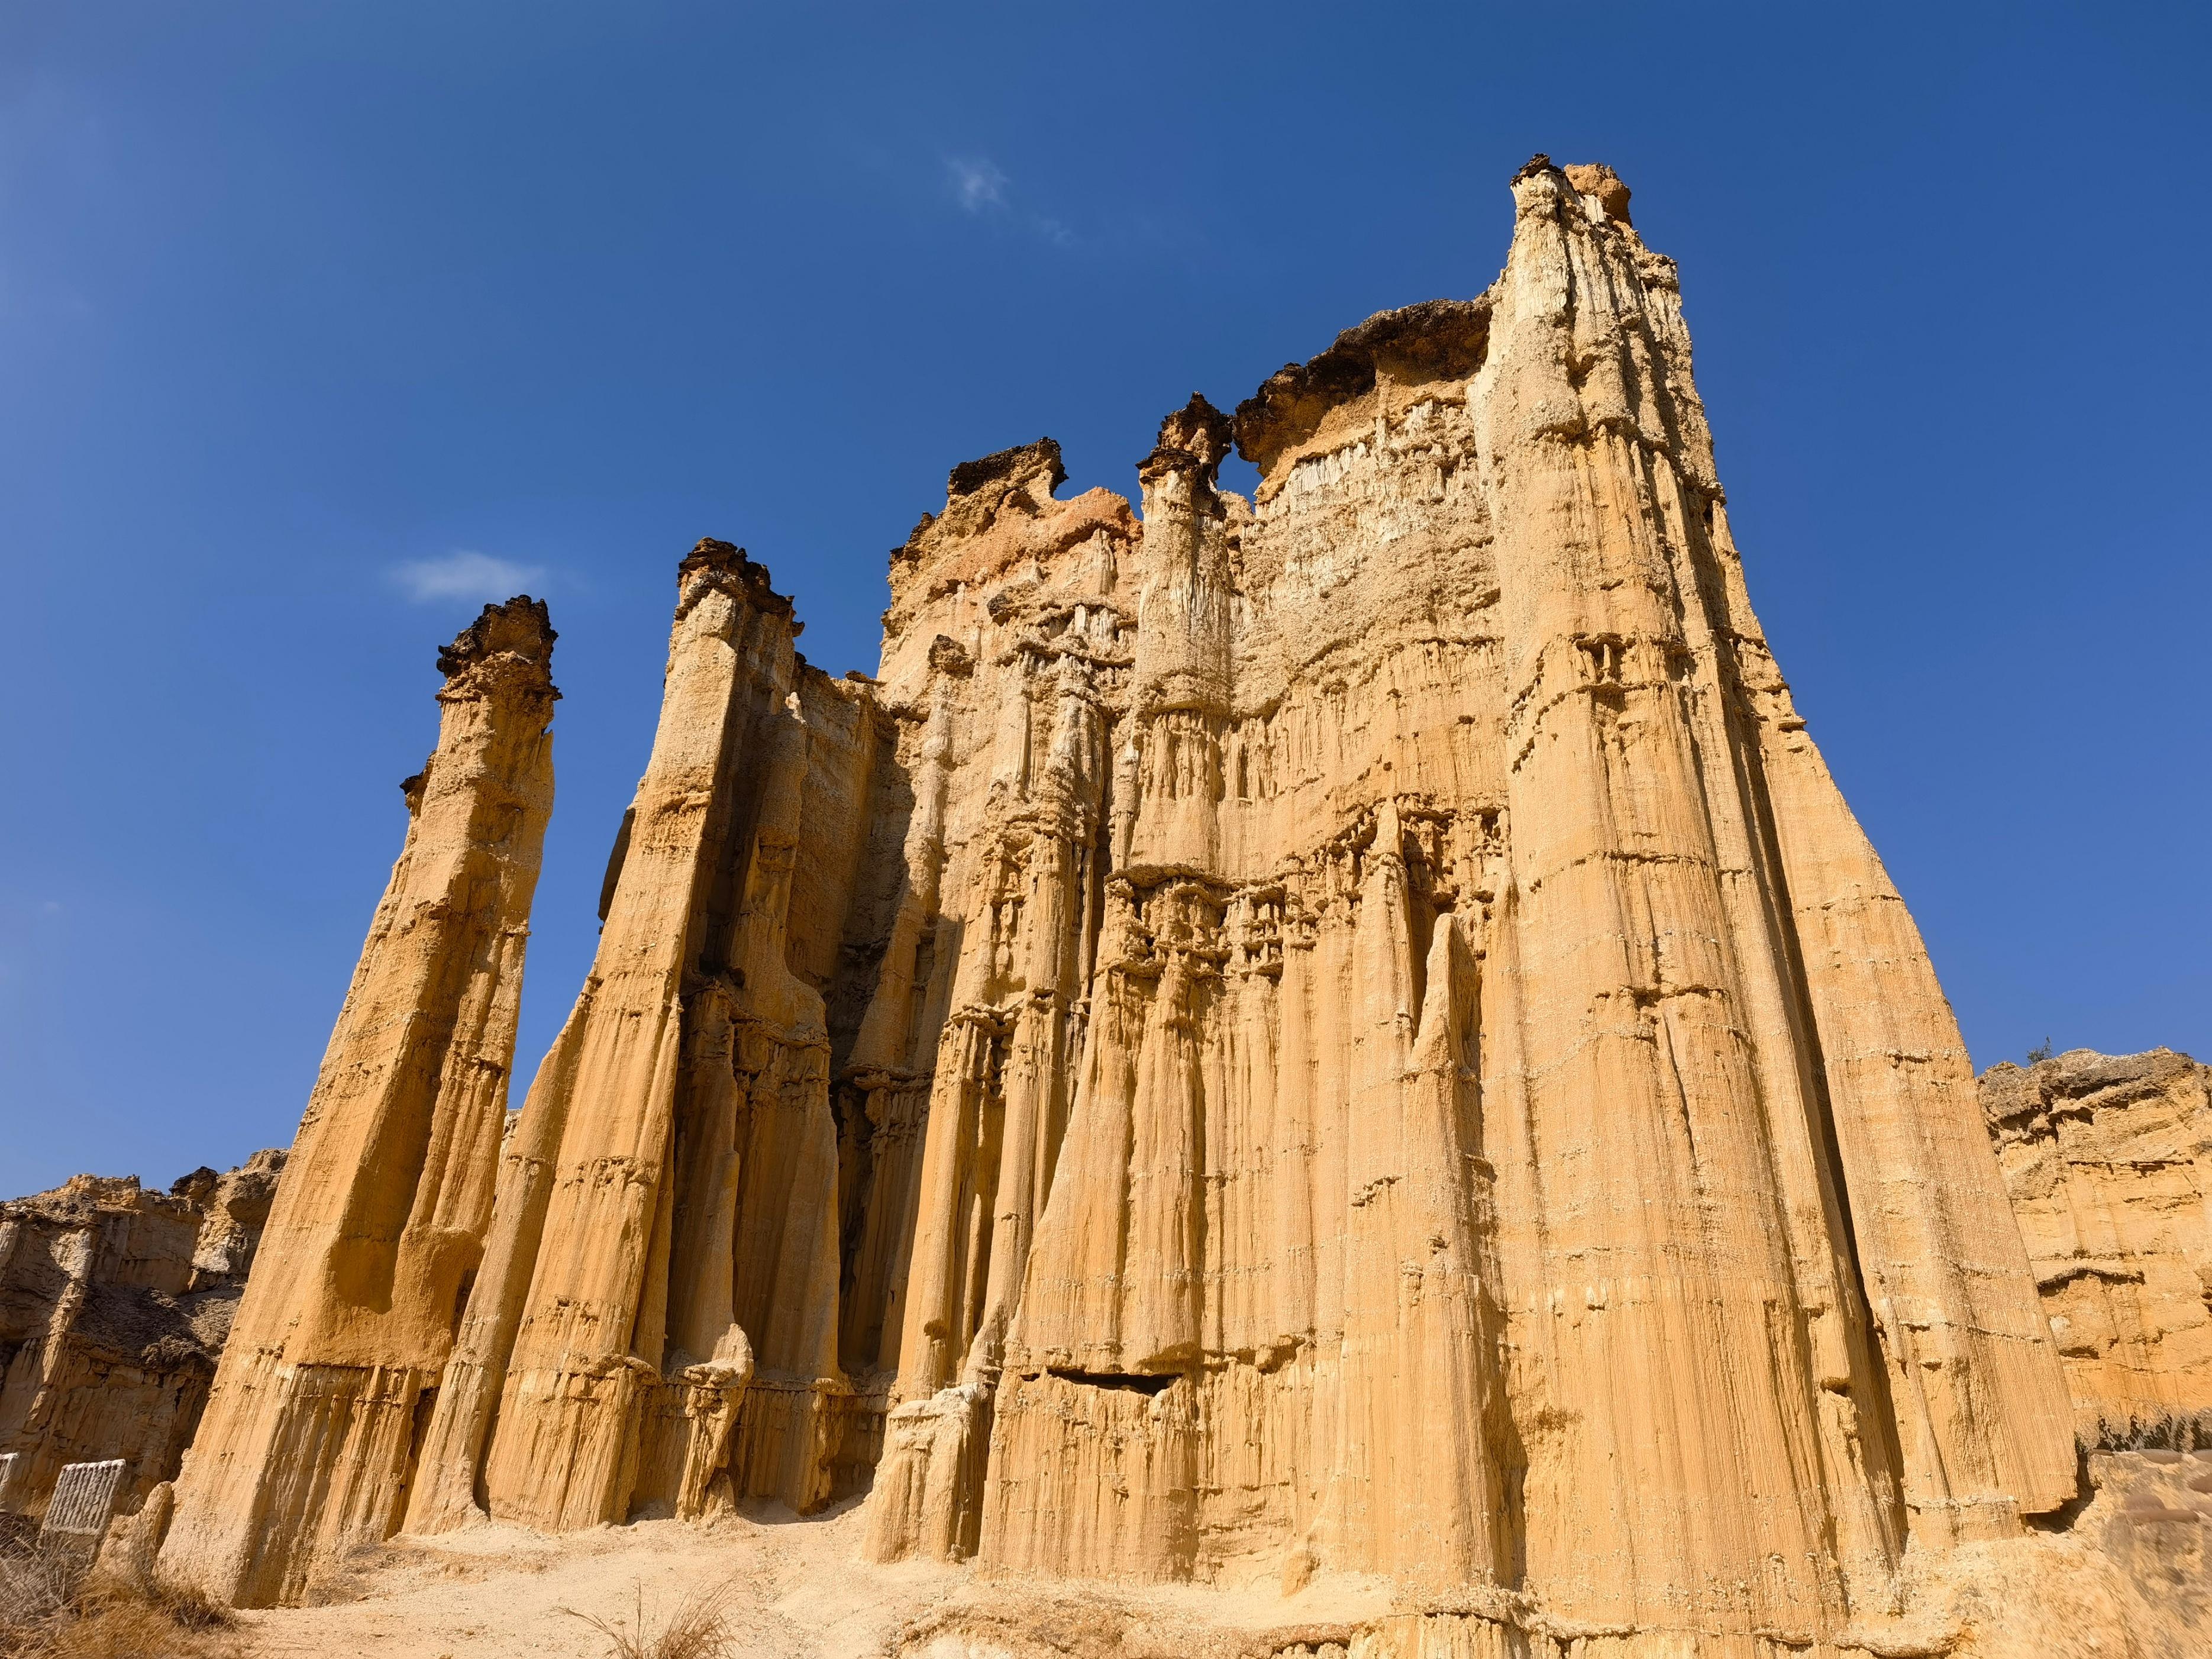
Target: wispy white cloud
466,573
983,190
978,186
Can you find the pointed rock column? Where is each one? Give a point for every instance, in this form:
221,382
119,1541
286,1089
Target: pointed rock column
888,1082
1711,1177
1417,1493
1702,1486
1984,1421
779,1257
378,1230
448,1490
1117,1282
1946,1283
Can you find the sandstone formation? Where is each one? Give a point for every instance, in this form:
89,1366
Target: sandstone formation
1516,1138
378,1231
114,1303
1348,1034
2109,1162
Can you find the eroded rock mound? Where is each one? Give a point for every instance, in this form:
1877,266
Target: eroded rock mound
115,1302
2108,1158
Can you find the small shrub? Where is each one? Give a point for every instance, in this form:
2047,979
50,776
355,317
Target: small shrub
2040,1053
698,1629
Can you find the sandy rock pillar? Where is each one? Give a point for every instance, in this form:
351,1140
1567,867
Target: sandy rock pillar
754,1263
1005,1065
590,1337
447,1489
891,1080
1416,1491
1115,1284
1984,1423
1095,1450
378,1230
1967,1379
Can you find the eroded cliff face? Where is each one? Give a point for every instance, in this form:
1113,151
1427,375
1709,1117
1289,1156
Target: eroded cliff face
377,1233
1516,1139
1344,1034
115,1305
2109,1161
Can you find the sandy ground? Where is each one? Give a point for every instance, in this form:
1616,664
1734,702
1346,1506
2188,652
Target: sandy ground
2129,1577
793,1589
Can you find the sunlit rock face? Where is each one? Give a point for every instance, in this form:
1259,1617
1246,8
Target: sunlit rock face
1348,1034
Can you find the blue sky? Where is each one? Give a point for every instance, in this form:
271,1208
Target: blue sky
319,325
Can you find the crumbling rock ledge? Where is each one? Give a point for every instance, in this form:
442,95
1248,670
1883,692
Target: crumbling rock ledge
1415,345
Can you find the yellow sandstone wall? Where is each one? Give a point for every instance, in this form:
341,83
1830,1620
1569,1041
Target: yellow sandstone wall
1518,1140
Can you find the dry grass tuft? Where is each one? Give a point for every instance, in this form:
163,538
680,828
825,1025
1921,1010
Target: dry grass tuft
51,1608
698,1629
188,1607
36,1587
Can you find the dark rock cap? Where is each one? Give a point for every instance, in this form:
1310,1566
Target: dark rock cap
521,626
1435,340
1195,436
731,567
970,476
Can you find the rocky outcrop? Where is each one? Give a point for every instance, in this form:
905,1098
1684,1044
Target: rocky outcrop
1347,1036
2109,1162
378,1232
115,1305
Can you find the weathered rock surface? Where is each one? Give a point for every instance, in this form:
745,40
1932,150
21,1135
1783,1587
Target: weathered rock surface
114,1304
2109,1162
378,1231
1347,1036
